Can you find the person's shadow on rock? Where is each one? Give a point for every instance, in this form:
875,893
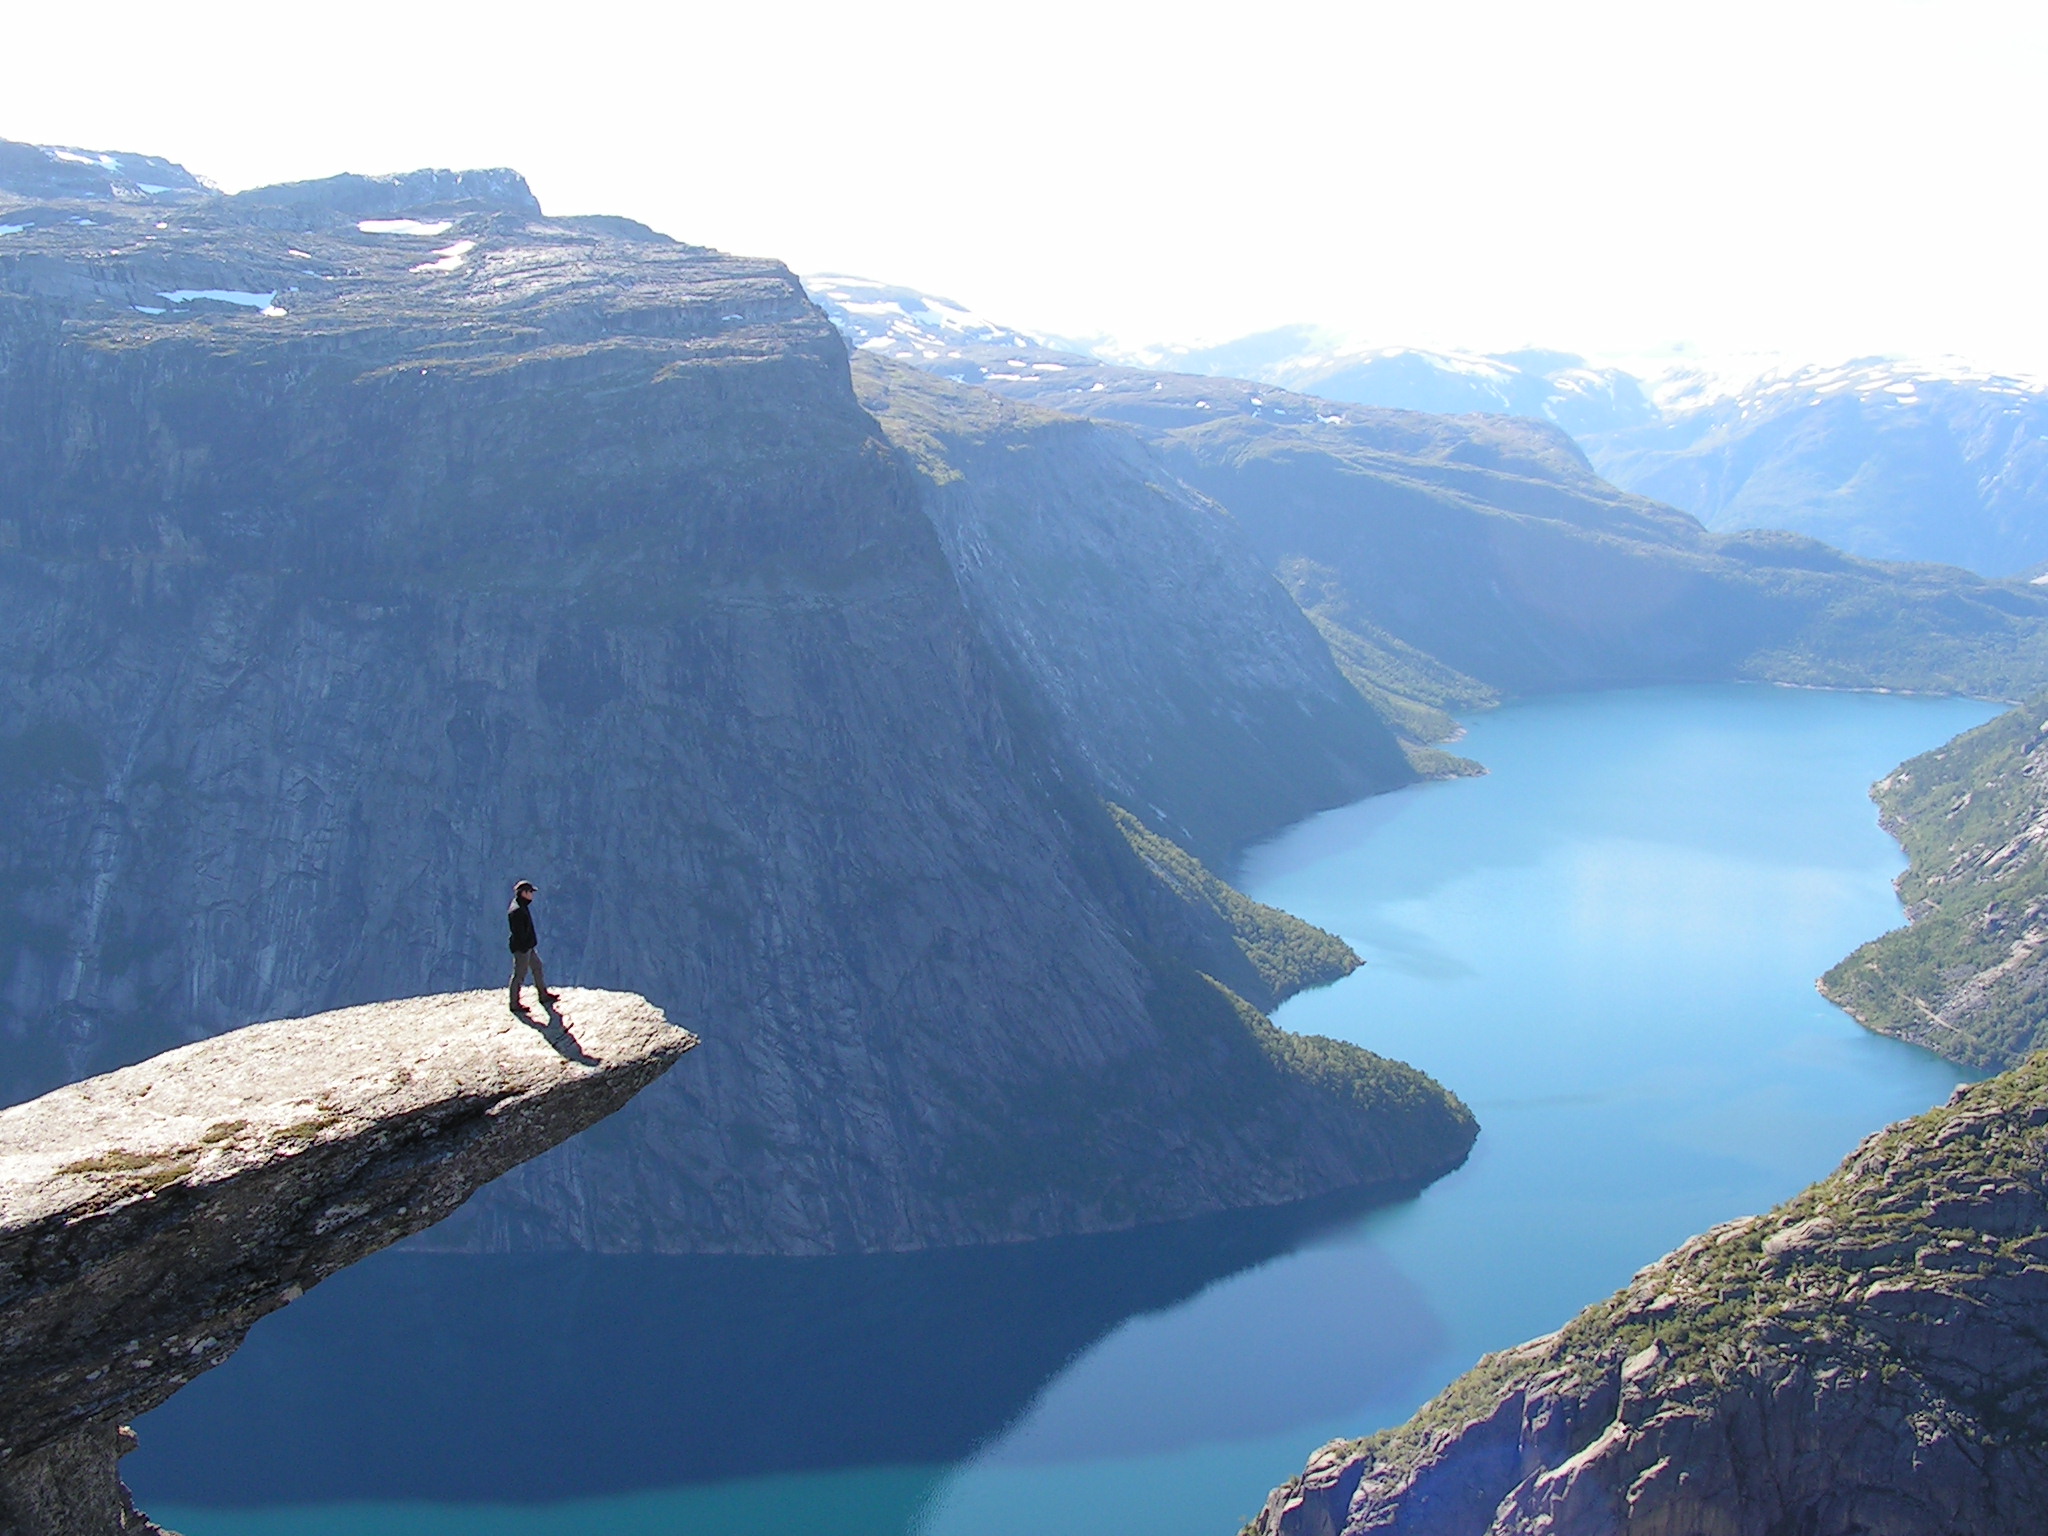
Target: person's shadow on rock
556,1032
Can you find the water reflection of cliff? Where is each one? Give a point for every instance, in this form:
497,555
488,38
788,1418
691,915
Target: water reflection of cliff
525,1378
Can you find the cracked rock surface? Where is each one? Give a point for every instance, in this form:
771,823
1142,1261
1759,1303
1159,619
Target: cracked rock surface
1871,1359
150,1216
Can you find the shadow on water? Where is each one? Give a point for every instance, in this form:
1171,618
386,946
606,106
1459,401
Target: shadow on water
512,1378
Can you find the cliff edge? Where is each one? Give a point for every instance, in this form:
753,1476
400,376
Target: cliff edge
1871,1359
149,1217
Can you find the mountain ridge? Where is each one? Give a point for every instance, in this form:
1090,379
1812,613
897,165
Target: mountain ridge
1887,459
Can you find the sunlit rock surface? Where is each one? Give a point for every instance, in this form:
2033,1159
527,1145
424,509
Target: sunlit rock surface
149,1217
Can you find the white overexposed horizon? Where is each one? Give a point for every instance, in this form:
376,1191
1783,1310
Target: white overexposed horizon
1811,181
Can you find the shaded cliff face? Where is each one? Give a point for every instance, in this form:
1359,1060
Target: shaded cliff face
371,544
1968,977
1172,662
149,1217
1489,545
1867,1359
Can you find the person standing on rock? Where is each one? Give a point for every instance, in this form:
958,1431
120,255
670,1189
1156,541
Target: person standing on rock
526,946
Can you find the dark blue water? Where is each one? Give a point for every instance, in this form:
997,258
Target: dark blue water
1607,947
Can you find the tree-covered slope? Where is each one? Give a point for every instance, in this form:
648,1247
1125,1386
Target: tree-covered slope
1871,1357
1968,976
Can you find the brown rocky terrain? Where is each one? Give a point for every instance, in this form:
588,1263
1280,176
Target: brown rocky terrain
1871,1359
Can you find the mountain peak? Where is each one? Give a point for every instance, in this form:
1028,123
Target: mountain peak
409,192
45,171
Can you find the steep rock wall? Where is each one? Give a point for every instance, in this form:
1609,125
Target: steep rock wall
1175,665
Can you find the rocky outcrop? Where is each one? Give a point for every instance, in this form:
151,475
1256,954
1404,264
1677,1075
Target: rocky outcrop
30,171
149,1217
369,545
1871,1359
1968,975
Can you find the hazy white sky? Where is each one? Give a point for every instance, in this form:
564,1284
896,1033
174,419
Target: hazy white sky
1816,179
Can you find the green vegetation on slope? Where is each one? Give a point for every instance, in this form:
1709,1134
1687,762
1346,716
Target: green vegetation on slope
1969,976
1878,1331
1936,1187
1411,690
1276,953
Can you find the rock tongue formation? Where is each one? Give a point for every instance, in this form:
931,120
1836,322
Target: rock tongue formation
370,544
149,1217
1870,1358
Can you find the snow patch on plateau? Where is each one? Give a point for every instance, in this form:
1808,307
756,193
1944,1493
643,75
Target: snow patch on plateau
266,303
448,258
405,226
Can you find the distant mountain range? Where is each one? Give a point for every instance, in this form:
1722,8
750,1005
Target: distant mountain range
1883,459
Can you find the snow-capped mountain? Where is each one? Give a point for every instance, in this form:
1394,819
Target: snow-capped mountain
911,326
1885,459
57,170
1891,460
1551,386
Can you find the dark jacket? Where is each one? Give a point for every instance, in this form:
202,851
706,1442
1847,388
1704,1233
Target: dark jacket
520,916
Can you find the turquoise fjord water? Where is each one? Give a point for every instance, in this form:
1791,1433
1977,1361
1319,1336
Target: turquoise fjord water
1607,947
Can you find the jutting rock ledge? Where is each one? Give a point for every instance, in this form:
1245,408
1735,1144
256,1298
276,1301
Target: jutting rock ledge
149,1217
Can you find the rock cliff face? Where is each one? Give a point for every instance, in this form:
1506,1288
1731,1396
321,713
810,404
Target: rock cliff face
149,1217
370,544
1969,976
1138,615
1868,1360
